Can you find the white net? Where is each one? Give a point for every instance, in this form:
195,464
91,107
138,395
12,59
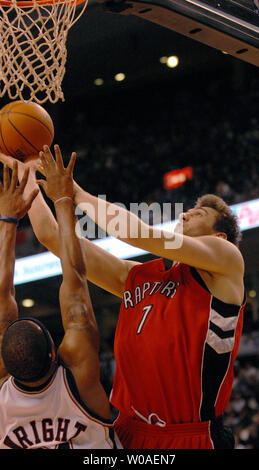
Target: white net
33,50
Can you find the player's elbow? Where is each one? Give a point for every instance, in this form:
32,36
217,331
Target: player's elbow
48,237
79,354
78,267
73,284
7,300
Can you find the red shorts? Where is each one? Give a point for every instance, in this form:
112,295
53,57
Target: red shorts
135,434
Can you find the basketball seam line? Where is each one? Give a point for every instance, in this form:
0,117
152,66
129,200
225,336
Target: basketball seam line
17,130
22,135
29,115
2,137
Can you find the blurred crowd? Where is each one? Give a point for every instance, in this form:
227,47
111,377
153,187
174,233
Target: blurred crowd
242,413
126,145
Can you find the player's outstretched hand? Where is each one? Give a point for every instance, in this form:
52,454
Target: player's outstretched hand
7,160
34,163
12,200
59,180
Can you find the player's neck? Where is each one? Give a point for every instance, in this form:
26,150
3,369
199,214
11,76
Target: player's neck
39,385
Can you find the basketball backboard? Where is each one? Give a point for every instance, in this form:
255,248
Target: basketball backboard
231,26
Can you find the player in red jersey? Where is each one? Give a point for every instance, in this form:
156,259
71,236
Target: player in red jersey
178,330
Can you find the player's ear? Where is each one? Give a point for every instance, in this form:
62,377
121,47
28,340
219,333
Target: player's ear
222,235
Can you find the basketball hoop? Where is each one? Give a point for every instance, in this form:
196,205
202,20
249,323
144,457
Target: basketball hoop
33,51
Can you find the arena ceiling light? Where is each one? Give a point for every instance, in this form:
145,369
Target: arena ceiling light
98,81
163,59
28,303
172,61
119,77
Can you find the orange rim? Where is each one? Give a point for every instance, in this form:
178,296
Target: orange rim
30,3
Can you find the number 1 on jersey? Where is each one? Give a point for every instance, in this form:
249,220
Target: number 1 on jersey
146,311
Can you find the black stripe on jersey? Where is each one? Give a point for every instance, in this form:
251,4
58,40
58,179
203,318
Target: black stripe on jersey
221,333
112,437
224,309
215,365
39,388
198,278
213,372
73,389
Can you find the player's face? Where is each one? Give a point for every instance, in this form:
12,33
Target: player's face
198,221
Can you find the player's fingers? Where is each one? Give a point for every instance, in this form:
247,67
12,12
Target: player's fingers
7,160
70,166
40,168
48,156
24,179
34,164
44,161
31,198
42,183
6,177
14,179
59,159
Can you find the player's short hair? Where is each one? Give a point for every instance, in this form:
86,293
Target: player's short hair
226,221
27,350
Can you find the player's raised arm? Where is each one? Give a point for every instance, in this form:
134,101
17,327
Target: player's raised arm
79,349
199,244
13,206
43,222
103,269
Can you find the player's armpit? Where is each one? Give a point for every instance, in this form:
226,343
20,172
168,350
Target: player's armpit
80,354
106,270
103,269
79,351
81,341
86,373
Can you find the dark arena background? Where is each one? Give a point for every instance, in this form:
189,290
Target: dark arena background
133,113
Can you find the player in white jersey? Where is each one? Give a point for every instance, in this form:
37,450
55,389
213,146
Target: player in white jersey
52,416
50,399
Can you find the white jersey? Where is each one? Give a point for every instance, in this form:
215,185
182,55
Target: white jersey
52,417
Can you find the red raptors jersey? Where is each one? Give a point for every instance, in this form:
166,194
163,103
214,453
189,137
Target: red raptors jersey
175,344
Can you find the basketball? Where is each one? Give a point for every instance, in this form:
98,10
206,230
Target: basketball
24,129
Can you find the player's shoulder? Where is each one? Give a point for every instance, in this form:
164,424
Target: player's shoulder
3,380
223,246
130,266
227,255
134,266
